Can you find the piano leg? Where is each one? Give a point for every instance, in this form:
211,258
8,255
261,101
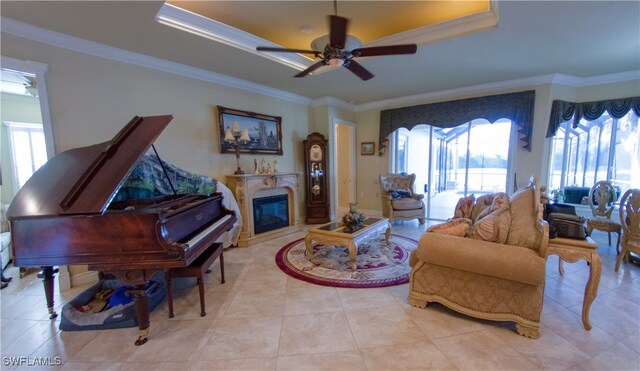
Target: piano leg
167,278
141,300
47,275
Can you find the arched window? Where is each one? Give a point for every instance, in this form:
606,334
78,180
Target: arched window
606,148
449,163
594,141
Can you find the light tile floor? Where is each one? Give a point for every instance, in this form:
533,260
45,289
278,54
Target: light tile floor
262,319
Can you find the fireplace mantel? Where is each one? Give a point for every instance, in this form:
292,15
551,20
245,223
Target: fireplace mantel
246,187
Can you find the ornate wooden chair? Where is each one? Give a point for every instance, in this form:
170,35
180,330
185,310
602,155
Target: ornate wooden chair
630,219
399,200
601,198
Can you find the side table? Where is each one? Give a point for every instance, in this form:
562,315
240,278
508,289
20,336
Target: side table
572,250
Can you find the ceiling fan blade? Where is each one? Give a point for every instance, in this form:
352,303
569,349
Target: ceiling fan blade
360,71
337,31
286,50
312,68
385,50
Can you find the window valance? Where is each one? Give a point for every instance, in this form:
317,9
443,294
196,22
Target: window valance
562,111
517,107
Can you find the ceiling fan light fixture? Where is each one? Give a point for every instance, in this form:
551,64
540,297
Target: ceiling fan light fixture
322,41
336,62
338,49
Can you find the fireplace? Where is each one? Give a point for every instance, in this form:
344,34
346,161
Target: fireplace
269,213
268,203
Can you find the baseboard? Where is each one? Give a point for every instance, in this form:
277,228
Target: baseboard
64,278
84,278
370,213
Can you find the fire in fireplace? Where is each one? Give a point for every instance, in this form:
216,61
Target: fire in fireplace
269,213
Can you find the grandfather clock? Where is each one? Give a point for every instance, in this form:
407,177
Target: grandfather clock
317,194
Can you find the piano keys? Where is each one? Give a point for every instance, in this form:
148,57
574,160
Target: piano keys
65,215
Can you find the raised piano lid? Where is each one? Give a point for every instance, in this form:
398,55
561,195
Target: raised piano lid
84,180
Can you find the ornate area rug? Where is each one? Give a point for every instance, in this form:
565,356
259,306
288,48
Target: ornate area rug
377,265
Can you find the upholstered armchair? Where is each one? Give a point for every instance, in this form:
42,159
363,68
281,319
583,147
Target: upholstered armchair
457,266
601,198
399,200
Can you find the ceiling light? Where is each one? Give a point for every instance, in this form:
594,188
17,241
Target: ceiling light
336,62
322,41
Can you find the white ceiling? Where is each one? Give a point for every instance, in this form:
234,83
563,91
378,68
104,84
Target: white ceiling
533,38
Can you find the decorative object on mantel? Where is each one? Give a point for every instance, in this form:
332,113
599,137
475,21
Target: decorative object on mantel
235,137
376,265
353,219
265,167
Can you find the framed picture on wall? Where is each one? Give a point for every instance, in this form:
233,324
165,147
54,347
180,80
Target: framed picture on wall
265,132
367,148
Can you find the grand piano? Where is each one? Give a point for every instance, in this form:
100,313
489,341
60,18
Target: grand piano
65,214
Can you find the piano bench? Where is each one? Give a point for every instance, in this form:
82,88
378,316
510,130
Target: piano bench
197,269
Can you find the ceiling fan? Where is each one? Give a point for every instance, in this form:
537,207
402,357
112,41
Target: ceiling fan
336,54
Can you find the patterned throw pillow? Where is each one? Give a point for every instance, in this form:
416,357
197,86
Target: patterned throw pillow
494,227
400,193
480,208
464,207
523,231
454,227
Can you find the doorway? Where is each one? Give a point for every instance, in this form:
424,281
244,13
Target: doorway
26,135
344,142
26,139
451,163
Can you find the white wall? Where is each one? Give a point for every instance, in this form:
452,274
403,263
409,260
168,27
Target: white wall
92,98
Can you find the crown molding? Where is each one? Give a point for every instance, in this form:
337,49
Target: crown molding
559,79
611,78
333,101
38,34
445,30
196,24
77,44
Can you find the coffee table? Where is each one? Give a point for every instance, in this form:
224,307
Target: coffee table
334,233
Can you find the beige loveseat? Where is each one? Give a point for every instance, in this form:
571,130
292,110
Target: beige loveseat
488,280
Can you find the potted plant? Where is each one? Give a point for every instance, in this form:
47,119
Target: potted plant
558,195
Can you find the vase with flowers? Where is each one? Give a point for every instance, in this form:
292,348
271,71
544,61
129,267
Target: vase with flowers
353,219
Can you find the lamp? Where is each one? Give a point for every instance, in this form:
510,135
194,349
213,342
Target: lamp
235,137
